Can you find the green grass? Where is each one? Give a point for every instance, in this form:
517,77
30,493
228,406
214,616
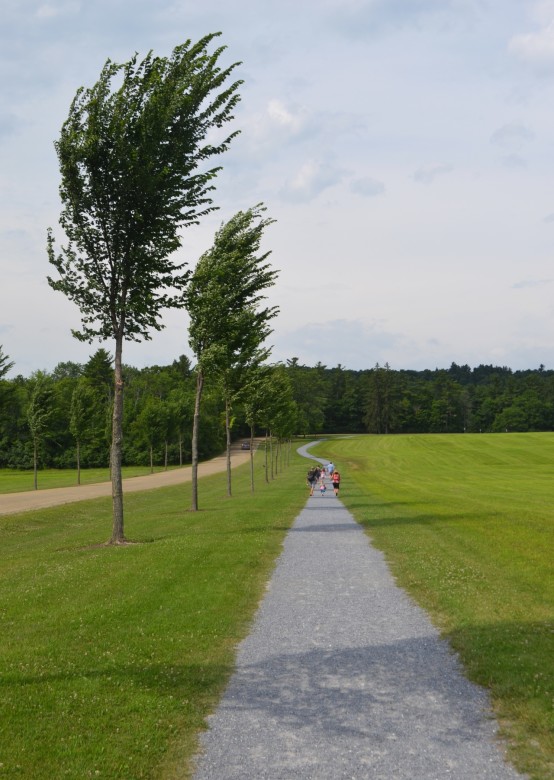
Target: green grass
466,523
111,657
16,481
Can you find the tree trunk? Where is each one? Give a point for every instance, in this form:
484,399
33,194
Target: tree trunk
228,444
166,455
195,429
118,537
271,452
35,465
252,458
180,449
78,462
266,464
151,459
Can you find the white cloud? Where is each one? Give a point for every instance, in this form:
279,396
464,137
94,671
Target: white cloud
283,116
367,187
51,10
513,161
352,343
311,179
512,136
525,283
537,48
426,174
365,18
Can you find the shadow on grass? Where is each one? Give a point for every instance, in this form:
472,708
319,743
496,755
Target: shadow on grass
165,679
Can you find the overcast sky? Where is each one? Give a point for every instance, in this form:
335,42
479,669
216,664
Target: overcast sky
405,148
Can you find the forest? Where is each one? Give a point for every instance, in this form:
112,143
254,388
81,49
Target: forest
71,407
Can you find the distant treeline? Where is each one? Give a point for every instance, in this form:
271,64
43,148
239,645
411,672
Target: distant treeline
74,404
454,400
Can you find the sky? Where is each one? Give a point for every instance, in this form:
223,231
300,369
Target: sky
405,149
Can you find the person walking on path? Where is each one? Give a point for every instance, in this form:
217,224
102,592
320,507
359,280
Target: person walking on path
311,479
335,479
330,469
343,676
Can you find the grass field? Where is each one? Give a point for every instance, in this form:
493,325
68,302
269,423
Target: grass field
16,480
466,523
110,658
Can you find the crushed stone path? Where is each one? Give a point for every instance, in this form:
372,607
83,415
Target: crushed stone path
343,676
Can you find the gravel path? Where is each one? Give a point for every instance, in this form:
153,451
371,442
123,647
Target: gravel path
344,677
29,500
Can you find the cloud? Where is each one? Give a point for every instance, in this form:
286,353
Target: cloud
311,179
549,217
369,18
427,173
367,187
352,343
526,283
514,161
511,136
536,48
51,10
9,124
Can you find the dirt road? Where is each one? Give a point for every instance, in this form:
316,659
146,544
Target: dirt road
11,503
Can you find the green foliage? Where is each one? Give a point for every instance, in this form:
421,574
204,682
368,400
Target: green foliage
466,523
5,363
129,157
228,326
39,409
335,400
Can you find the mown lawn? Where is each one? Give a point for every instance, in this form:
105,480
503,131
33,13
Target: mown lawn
466,523
110,658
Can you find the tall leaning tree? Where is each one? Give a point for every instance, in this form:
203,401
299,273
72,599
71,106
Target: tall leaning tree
228,323
135,156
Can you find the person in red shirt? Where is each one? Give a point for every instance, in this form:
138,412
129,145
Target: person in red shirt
335,479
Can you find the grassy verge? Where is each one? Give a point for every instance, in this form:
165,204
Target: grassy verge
466,523
111,658
17,481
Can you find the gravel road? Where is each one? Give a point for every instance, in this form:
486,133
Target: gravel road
343,676
29,500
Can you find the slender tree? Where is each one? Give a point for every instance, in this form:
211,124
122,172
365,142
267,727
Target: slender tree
268,402
227,323
134,159
39,412
82,401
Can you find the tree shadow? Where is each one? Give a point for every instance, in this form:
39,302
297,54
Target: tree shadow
398,709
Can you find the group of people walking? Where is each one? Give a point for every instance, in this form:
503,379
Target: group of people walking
317,474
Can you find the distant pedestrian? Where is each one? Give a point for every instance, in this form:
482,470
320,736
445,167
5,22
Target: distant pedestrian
330,468
311,479
335,479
